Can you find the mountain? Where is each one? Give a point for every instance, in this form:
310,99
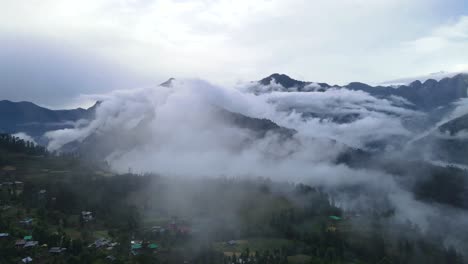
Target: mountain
433,97
259,126
447,143
456,125
35,120
290,84
167,83
98,145
427,95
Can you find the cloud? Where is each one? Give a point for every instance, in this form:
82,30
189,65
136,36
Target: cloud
25,137
315,114
443,47
334,41
179,132
52,74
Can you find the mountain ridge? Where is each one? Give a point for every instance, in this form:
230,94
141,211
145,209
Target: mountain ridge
426,95
35,120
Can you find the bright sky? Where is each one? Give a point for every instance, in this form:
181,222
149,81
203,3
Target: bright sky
52,50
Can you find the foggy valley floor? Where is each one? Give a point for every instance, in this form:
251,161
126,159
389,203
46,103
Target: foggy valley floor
63,209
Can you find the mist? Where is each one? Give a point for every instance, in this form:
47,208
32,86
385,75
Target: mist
180,131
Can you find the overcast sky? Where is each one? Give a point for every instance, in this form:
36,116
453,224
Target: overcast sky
51,51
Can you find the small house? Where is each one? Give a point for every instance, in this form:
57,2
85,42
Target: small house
26,221
20,243
153,246
136,246
4,235
56,250
334,217
87,216
101,242
31,244
7,186
156,228
331,229
19,186
183,229
27,260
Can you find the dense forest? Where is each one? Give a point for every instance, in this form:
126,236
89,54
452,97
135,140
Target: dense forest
61,209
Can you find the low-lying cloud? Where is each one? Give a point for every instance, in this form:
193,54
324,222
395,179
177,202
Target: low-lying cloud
178,131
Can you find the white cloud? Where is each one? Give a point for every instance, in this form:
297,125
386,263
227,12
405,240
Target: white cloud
25,137
182,135
181,121
224,40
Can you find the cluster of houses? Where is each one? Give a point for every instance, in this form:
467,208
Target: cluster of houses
103,243
172,227
27,242
12,186
137,245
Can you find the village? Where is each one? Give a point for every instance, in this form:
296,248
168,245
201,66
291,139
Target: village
34,232
60,209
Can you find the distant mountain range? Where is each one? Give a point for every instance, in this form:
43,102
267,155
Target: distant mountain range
36,120
431,96
426,95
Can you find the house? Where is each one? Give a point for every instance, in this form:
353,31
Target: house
157,229
112,245
183,229
31,244
20,243
101,242
153,246
7,186
331,228
26,221
334,217
56,250
9,168
87,216
232,242
42,192
19,185
27,260
4,235
110,258
135,246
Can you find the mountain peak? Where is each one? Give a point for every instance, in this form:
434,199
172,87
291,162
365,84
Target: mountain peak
168,83
461,76
282,79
